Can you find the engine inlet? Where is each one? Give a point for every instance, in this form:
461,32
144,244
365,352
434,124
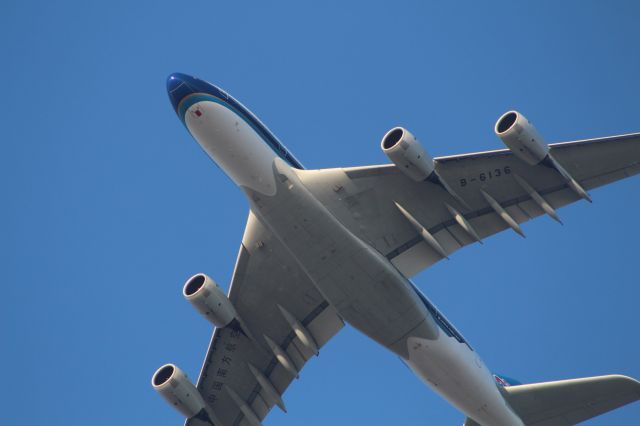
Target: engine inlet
194,284
506,122
163,374
392,138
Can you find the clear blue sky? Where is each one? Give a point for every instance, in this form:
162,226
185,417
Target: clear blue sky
109,205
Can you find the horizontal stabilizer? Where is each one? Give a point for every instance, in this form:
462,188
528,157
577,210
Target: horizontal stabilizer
569,402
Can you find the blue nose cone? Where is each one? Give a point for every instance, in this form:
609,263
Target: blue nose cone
179,86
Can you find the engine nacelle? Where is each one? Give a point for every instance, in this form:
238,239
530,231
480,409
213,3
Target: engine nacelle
208,299
404,150
174,386
519,135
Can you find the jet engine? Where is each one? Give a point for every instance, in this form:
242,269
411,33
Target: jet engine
404,150
208,299
519,135
174,386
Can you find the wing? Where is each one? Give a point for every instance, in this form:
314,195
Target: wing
266,278
569,402
364,198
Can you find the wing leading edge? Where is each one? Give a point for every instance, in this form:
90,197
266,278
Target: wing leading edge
500,192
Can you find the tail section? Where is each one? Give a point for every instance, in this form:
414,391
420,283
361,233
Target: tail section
569,402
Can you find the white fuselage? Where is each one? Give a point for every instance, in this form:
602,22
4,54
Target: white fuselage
405,325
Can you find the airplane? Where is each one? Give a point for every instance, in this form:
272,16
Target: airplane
322,248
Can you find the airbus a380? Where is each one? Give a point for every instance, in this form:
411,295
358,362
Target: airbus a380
324,247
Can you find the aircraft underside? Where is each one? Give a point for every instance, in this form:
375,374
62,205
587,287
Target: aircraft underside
324,247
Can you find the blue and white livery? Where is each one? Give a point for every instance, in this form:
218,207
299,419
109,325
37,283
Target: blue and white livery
325,247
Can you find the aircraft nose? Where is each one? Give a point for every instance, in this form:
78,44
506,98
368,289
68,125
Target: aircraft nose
181,86
178,87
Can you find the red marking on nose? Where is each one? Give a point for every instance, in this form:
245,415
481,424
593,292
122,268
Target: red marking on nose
198,113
